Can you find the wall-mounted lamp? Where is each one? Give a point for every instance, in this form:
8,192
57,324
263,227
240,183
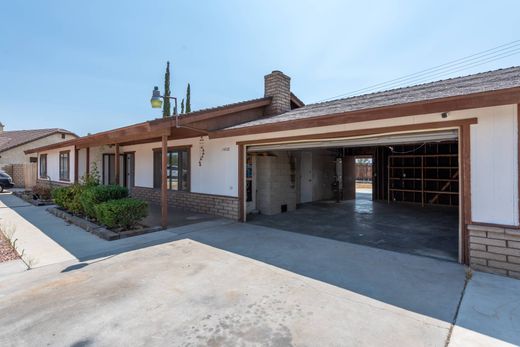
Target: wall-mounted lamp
444,114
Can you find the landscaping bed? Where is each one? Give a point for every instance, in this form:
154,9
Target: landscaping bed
30,197
104,210
7,252
100,230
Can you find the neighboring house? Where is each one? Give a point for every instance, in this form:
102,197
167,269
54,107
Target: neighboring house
452,142
14,143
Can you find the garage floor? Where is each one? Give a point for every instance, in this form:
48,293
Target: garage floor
430,231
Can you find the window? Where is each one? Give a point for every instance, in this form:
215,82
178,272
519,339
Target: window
43,165
177,169
64,166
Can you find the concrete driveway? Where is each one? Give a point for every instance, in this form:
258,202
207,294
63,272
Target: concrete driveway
240,284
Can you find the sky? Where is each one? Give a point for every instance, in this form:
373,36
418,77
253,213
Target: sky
89,66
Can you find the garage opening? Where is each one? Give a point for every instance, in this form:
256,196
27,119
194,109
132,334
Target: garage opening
397,192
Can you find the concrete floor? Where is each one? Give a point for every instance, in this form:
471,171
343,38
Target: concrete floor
430,231
245,285
176,217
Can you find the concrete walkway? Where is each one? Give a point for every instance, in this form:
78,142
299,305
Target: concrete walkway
43,239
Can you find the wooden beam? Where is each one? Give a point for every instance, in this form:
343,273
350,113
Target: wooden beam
366,132
164,196
76,166
241,184
87,161
116,164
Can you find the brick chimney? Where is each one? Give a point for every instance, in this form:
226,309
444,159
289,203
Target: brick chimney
278,86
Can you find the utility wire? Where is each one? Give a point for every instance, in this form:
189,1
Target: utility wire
476,59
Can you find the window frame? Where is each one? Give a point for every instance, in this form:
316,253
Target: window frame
181,166
61,170
42,168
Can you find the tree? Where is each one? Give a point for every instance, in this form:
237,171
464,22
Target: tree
167,92
188,99
182,106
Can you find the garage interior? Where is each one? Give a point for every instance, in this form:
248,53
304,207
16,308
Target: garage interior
407,200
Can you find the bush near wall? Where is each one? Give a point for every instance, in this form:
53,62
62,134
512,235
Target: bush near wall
95,195
123,213
68,198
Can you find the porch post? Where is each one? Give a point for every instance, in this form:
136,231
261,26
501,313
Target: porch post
116,164
76,166
87,161
164,197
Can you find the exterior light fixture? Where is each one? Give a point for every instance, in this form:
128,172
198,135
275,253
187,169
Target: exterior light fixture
156,99
444,114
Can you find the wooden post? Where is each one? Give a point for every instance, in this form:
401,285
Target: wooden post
116,164
87,161
164,196
76,173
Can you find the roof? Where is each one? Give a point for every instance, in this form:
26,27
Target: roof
459,86
15,138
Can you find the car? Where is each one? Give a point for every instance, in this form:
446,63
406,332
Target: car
5,181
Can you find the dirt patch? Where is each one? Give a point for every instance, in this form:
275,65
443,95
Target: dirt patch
7,252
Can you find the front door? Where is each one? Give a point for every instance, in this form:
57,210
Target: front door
129,170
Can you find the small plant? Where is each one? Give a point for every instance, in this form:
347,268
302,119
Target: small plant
92,178
69,198
122,213
94,195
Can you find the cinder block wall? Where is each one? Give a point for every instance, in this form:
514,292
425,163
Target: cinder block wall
276,183
16,172
495,250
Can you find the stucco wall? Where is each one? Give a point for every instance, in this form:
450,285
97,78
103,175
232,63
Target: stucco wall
53,167
17,155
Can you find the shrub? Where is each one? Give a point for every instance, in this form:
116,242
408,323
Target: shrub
42,191
68,198
94,195
62,196
123,213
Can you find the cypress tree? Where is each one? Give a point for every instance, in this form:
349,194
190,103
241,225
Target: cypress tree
182,106
188,99
167,92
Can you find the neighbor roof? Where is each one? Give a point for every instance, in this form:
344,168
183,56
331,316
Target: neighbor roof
15,138
460,86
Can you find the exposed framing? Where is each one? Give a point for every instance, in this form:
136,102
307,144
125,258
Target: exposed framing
463,127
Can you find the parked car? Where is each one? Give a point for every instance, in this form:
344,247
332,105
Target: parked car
5,181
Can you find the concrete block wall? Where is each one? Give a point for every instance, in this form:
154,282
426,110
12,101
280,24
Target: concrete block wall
216,205
16,171
274,183
495,250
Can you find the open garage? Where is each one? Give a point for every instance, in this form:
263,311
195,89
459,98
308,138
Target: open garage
398,192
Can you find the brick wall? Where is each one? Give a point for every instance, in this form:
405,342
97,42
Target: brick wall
495,250
278,86
217,205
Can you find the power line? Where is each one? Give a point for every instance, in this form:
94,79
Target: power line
476,59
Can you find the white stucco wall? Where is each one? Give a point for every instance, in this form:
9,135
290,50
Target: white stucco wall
494,159
53,166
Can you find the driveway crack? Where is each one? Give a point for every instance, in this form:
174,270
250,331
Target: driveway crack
452,325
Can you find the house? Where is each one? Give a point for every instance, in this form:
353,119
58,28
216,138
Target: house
445,165
13,160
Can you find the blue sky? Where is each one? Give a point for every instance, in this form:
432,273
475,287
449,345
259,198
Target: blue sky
90,65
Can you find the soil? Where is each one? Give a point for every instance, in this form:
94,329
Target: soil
6,251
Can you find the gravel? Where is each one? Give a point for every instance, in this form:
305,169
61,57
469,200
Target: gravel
6,251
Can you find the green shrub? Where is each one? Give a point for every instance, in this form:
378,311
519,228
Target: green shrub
123,213
62,196
69,198
94,195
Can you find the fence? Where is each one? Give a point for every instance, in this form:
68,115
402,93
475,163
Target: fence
24,175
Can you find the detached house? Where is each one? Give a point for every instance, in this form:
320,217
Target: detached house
445,165
13,143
